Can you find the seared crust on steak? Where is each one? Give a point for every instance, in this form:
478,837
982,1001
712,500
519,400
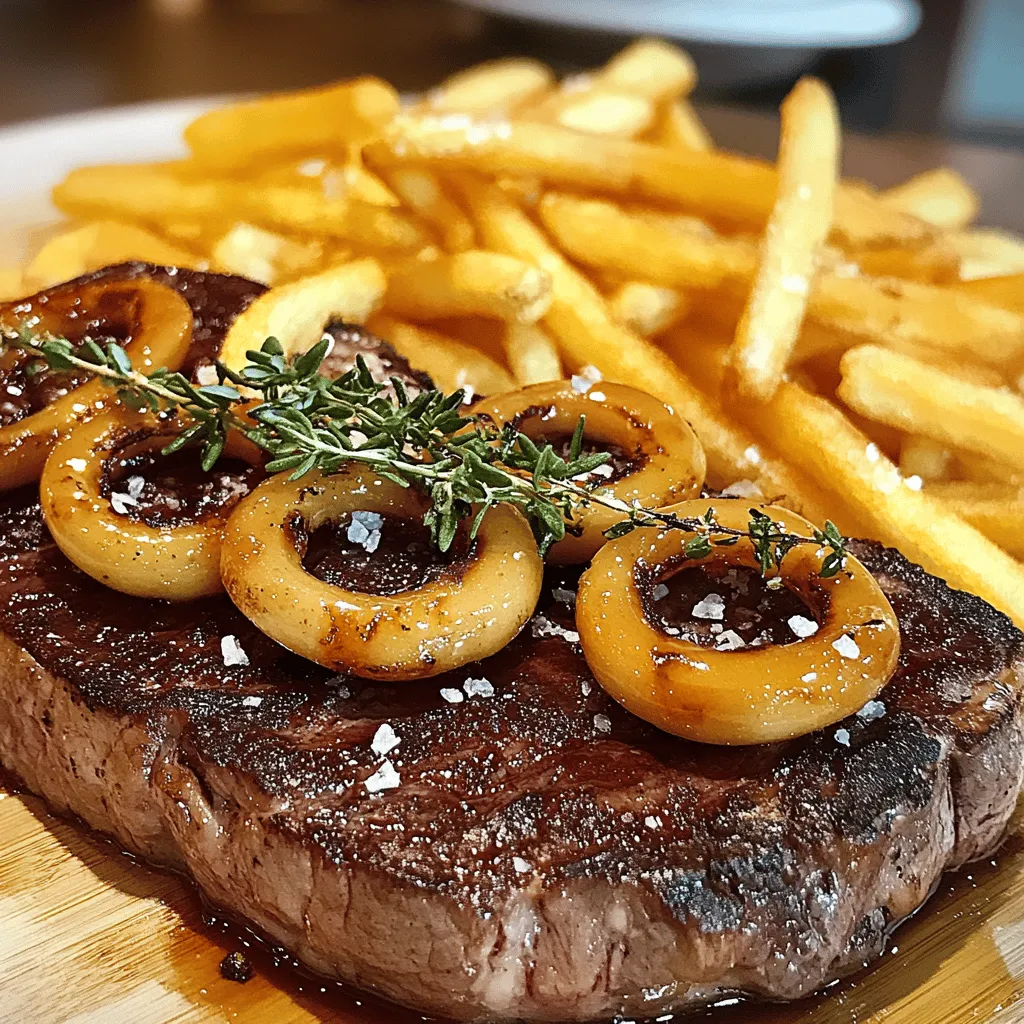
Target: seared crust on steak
533,863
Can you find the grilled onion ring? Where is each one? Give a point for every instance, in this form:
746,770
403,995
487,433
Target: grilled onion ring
159,323
753,695
471,611
671,460
178,563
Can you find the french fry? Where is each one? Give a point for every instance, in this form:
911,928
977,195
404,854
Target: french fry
940,197
647,309
531,354
936,263
645,246
423,192
12,284
156,197
652,68
91,246
987,253
596,112
679,126
888,311
451,364
297,313
471,283
997,510
264,256
734,189
924,458
1006,292
309,121
807,167
586,334
495,87
906,393
815,436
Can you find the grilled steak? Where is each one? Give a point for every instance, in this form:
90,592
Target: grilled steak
541,854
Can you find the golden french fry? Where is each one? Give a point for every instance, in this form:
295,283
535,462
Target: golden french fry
924,458
451,364
808,166
815,436
156,197
352,179
102,244
264,256
678,126
645,245
940,197
653,68
492,88
531,354
936,263
586,334
309,121
597,112
906,393
997,510
987,253
12,284
471,283
1006,292
297,313
423,192
647,309
734,189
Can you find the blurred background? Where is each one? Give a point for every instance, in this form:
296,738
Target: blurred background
935,72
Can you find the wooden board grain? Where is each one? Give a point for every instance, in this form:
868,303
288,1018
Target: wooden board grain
90,936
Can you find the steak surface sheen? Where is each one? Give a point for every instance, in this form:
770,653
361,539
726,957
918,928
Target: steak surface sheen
545,855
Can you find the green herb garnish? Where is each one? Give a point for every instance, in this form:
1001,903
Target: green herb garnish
306,421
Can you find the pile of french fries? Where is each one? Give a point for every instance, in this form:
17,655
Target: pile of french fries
851,353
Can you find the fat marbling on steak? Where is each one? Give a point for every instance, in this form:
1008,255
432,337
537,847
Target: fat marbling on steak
542,854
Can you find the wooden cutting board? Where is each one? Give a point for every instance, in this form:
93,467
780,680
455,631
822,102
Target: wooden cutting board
90,936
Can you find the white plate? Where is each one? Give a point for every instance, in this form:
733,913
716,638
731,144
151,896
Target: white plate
804,23
37,155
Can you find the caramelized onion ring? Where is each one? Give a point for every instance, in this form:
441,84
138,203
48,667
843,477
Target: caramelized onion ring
474,609
159,323
753,695
178,563
671,459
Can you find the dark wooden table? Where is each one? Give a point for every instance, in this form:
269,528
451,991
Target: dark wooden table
65,55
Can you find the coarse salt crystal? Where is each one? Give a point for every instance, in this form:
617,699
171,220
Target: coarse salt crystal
206,375
564,596
543,626
847,646
729,641
808,677
478,688
742,489
385,739
597,396
711,607
122,503
78,465
659,592
136,485
802,626
251,702
843,737
453,696
522,866
602,723
652,821
364,530
385,777
231,651
872,710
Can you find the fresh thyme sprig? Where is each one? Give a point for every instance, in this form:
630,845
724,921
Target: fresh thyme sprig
466,465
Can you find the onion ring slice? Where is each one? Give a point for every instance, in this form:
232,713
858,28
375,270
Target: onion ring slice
670,463
159,322
467,614
753,695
